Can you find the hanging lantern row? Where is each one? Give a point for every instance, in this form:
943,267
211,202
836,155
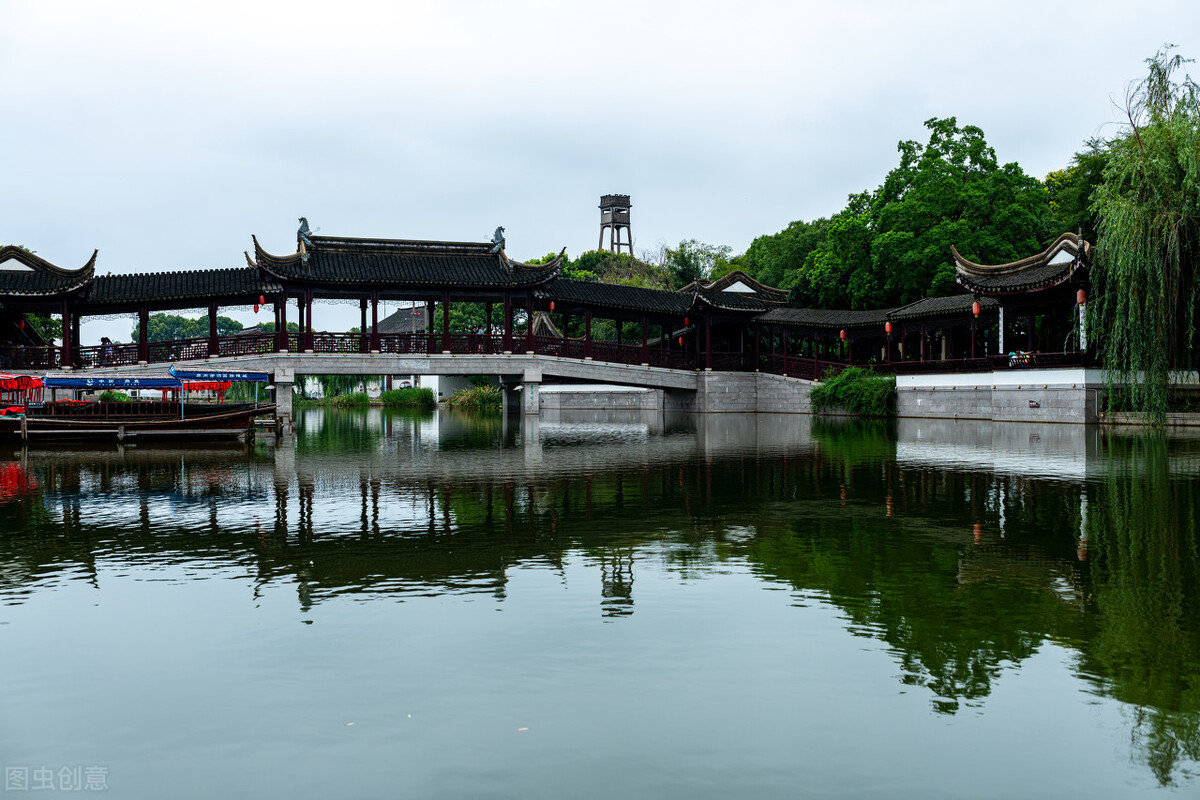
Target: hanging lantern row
1081,297
256,308
975,308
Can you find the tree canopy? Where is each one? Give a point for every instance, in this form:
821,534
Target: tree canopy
164,327
892,245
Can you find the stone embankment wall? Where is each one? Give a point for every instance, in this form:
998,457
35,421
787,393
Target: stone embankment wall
1050,395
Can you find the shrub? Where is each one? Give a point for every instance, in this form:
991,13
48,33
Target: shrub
353,400
109,396
476,397
413,397
858,391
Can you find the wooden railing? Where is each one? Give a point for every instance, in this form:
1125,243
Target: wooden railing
160,352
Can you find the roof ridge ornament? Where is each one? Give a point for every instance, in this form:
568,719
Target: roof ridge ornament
498,239
302,240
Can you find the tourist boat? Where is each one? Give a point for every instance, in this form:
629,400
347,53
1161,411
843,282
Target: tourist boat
172,417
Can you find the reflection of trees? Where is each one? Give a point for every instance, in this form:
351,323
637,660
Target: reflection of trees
961,573
1142,542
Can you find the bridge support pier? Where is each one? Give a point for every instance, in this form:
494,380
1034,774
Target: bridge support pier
285,378
531,402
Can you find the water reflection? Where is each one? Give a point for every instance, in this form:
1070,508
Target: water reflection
965,548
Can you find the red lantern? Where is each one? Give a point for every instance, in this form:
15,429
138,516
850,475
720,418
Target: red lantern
843,334
887,328
681,341
975,308
685,322
256,308
262,301
1081,297
21,324
551,305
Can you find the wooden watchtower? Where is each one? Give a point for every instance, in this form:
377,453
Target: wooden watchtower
614,215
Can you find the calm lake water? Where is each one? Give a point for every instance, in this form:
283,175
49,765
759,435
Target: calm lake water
601,606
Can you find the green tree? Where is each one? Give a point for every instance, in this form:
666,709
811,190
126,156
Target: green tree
1149,218
777,259
892,246
695,261
164,327
1071,190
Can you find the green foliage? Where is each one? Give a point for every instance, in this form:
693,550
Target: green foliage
164,327
892,246
696,261
48,327
412,397
110,396
480,397
263,327
353,400
1071,190
336,385
1149,218
857,390
778,259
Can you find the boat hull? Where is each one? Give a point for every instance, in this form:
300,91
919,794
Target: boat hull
89,423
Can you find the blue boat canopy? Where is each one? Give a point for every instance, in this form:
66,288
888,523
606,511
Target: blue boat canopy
71,382
212,375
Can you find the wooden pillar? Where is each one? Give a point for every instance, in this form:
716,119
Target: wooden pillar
66,334
849,347
645,342
362,325
281,337
508,322
708,342
617,322
446,321
487,313
308,331
784,344
529,323
214,347
587,333
757,346
375,321
973,329
76,356
143,333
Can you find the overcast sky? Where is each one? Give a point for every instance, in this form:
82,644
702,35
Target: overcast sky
165,134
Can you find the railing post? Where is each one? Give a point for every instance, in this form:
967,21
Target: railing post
784,339
587,333
66,331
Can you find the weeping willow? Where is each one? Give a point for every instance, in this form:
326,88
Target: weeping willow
1148,208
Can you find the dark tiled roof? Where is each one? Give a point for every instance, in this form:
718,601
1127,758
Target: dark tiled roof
768,293
824,318
631,299
955,305
735,301
40,278
406,320
188,285
404,263
1034,272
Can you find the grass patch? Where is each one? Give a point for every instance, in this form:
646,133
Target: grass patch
352,400
858,391
412,397
485,397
